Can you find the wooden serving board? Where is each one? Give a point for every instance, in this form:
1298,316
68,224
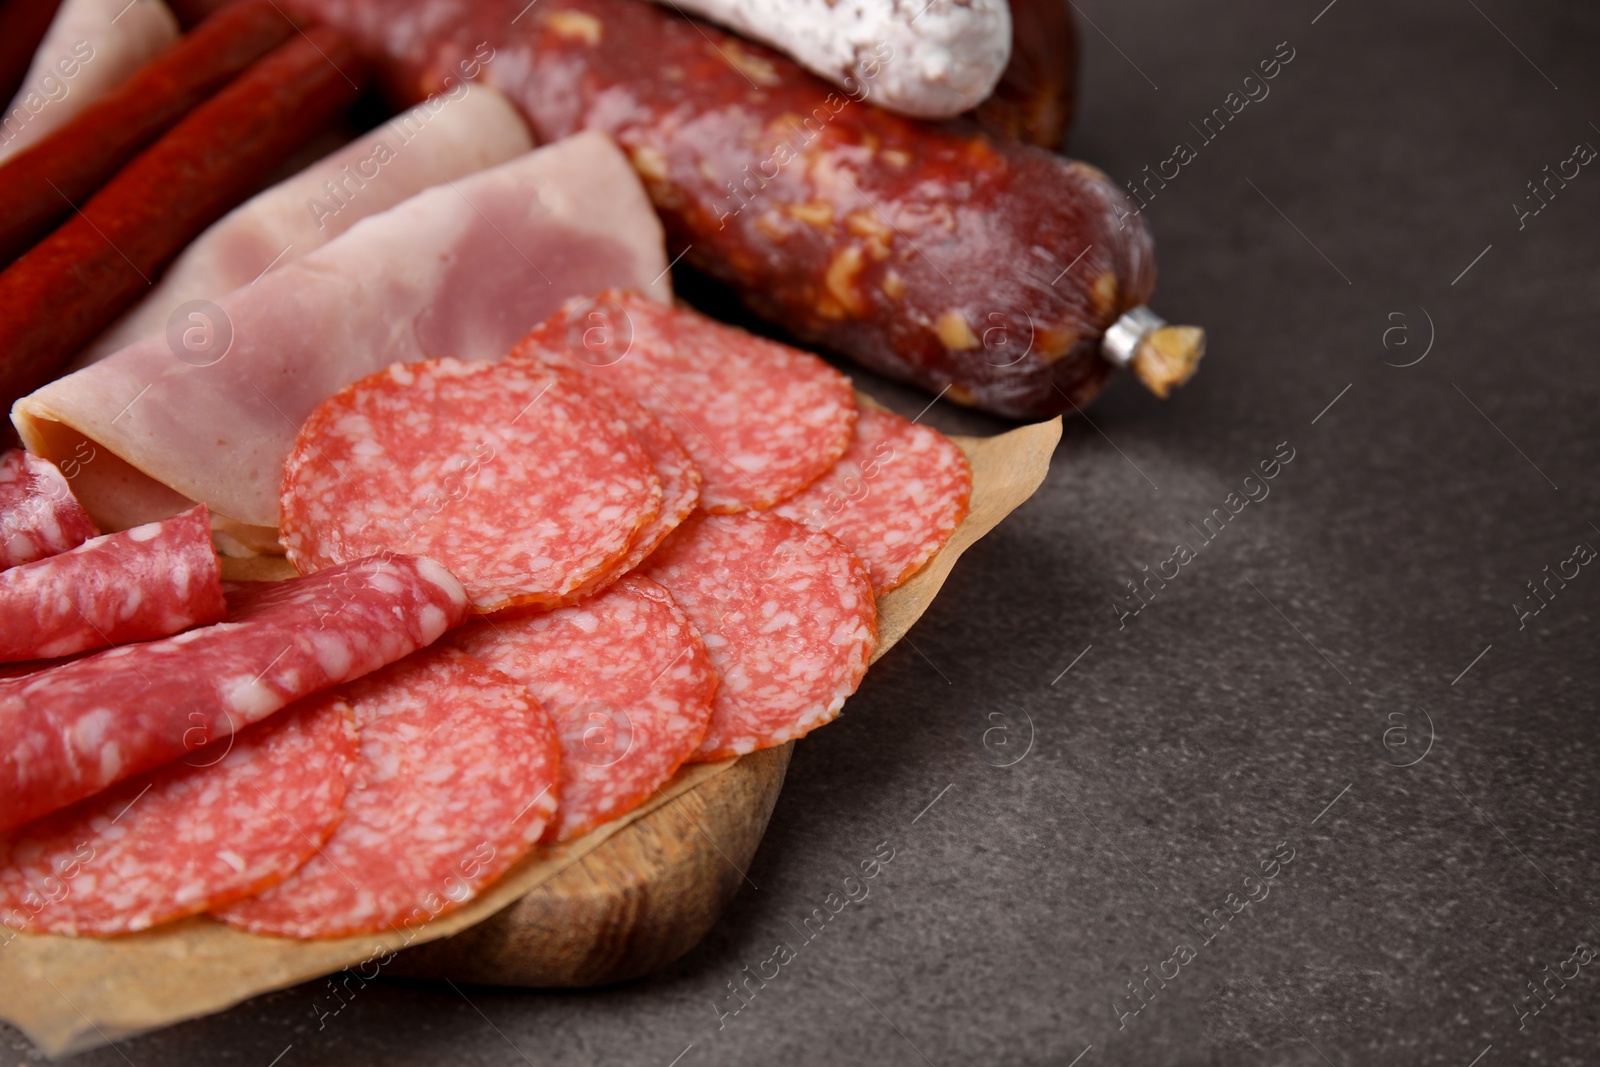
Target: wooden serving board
622,901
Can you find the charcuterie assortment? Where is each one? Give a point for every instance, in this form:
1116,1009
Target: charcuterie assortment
936,252
555,538
440,275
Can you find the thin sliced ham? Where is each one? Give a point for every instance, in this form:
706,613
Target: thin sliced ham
91,46
461,270
444,138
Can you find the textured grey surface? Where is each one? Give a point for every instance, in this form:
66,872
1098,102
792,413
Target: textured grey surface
1372,590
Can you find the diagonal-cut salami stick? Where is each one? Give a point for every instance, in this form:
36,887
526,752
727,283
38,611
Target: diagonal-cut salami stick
71,731
137,585
64,291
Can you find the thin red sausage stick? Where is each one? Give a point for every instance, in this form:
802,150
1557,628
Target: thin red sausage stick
63,292
39,186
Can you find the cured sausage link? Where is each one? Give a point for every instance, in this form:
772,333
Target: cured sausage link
40,186
932,252
63,292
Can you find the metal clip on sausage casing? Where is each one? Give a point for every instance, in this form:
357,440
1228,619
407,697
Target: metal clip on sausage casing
1162,356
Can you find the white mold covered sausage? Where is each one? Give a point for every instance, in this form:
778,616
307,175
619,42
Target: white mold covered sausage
927,58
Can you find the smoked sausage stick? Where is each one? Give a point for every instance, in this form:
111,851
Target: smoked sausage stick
72,285
40,185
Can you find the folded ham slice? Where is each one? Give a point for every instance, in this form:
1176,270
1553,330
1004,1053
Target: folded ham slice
442,139
462,270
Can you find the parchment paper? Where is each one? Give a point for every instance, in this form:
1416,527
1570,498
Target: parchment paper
67,994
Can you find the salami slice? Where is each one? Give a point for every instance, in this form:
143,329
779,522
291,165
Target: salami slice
506,473
628,682
787,614
894,498
227,821
762,420
39,516
675,469
70,731
147,582
456,780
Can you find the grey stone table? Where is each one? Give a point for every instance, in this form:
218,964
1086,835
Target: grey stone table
1191,835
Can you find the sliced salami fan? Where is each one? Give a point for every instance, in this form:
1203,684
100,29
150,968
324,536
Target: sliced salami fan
456,780
506,473
228,821
70,731
628,682
762,420
679,477
137,585
39,516
894,498
787,614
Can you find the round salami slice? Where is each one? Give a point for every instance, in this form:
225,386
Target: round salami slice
39,516
137,585
679,477
787,615
762,420
455,781
229,820
628,682
894,499
506,473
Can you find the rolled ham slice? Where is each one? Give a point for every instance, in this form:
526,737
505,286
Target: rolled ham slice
151,581
462,270
91,46
442,139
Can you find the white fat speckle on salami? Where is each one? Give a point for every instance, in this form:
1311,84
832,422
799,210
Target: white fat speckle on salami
39,516
230,820
70,731
137,585
504,472
787,614
675,469
455,781
628,682
762,420
894,498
